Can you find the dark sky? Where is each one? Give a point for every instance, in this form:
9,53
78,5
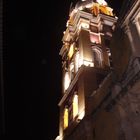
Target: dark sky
32,66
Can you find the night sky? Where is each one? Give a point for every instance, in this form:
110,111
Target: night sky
32,66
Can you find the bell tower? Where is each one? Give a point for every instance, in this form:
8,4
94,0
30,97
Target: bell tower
86,61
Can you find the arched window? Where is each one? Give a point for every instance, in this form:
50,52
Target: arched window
75,106
66,81
97,57
71,51
66,116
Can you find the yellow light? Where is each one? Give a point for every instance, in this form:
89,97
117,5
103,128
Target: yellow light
71,51
75,106
66,118
101,7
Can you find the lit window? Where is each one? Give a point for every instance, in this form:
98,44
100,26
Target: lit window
66,81
66,115
75,106
71,51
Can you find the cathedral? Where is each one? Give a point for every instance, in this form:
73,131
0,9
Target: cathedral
101,73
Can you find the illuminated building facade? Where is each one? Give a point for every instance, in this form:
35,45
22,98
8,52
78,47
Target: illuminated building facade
93,72
86,62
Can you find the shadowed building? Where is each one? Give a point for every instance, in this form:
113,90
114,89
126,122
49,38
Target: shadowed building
100,99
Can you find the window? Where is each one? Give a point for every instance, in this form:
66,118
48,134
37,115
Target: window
71,51
70,110
66,81
97,57
75,106
66,115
